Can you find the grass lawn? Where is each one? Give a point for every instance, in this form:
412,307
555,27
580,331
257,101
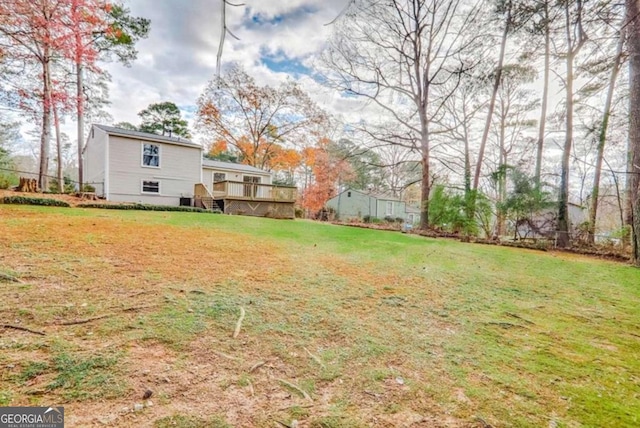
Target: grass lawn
343,327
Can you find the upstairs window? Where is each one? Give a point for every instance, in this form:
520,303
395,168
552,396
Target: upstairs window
151,155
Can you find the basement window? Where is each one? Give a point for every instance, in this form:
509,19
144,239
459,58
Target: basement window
150,186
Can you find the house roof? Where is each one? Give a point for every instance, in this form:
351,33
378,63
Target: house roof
214,164
382,196
379,196
111,130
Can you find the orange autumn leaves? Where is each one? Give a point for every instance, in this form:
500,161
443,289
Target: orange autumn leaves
327,171
275,128
264,125
270,156
318,168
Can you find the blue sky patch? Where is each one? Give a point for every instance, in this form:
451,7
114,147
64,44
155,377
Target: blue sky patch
280,62
252,19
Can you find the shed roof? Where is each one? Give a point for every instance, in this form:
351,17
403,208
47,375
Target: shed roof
378,196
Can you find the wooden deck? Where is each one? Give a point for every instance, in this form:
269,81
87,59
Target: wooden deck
260,200
253,192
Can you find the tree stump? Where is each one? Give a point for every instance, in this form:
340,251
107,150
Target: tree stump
91,196
29,185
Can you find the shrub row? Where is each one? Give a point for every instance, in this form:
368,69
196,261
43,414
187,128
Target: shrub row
146,207
24,200
388,219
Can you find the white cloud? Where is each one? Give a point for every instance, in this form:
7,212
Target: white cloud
179,57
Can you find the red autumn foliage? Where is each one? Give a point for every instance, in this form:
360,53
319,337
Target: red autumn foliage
327,170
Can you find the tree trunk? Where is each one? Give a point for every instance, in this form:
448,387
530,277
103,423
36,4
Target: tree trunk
80,120
633,32
502,164
602,138
46,123
563,199
467,164
492,102
545,96
573,47
628,190
56,122
426,180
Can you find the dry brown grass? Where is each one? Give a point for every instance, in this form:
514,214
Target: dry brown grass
149,281
400,335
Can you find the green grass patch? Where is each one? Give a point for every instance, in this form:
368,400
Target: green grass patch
73,376
183,421
33,369
6,397
82,378
335,422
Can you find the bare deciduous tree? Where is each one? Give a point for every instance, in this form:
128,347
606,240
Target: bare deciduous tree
402,56
253,120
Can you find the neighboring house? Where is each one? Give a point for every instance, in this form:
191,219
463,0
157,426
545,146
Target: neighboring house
413,214
132,166
355,204
544,223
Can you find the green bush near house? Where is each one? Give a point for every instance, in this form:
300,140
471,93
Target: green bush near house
68,187
24,200
147,207
371,219
7,180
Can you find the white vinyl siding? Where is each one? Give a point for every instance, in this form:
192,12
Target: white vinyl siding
208,174
180,170
94,158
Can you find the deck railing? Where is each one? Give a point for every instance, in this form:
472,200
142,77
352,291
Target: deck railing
201,193
253,191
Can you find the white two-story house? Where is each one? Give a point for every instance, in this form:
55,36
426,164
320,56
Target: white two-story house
131,166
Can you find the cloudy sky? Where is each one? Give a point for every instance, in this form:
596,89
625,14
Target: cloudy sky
278,38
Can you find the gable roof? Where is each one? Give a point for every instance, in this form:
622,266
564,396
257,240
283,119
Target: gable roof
120,132
383,197
214,164
378,196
